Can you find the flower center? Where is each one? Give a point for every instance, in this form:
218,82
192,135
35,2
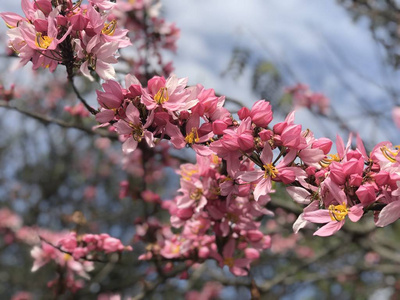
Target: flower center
229,261
329,159
109,28
43,41
175,249
196,194
137,131
390,154
161,96
338,212
270,170
192,137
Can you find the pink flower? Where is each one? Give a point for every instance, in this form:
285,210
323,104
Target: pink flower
132,129
334,217
111,244
97,56
170,94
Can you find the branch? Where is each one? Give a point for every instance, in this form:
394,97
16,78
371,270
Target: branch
48,120
88,107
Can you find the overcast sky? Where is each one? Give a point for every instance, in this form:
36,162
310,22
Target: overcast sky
316,39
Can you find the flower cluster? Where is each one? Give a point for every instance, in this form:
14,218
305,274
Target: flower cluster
73,254
238,161
150,35
89,245
304,97
77,35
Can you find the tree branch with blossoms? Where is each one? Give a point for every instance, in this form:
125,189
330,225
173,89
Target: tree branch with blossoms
224,197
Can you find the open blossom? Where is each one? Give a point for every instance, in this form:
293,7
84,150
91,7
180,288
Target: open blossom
97,57
334,217
170,94
269,172
133,130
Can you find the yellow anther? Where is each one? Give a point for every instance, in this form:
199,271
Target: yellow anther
137,131
390,154
329,159
187,174
338,212
175,249
270,170
215,159
109,28
161,96
43,41
192,137
196,195
229,261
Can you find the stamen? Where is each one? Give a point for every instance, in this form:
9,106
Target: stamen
161,96
329,159
192,137
270,170
43,41
196,195
390,154
137,131
338,212
229,261
109,28
187,175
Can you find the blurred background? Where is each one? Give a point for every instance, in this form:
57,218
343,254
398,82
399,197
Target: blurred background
335,62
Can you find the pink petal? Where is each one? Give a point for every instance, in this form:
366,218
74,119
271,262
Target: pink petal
389,214
329,229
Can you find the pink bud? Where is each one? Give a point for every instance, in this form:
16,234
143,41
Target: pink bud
355,180
254,236
245,141
310,171
243,113
291,136
287,176
204,252
324,144
218,127
261,113
184,213
251,253
382,178
265,135
79,22
184,115
366,194
79,252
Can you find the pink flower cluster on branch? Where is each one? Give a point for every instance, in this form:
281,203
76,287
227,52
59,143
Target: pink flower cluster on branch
74,255
79,36
238,161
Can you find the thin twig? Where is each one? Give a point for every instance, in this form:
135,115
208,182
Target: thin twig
88,107
48,120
